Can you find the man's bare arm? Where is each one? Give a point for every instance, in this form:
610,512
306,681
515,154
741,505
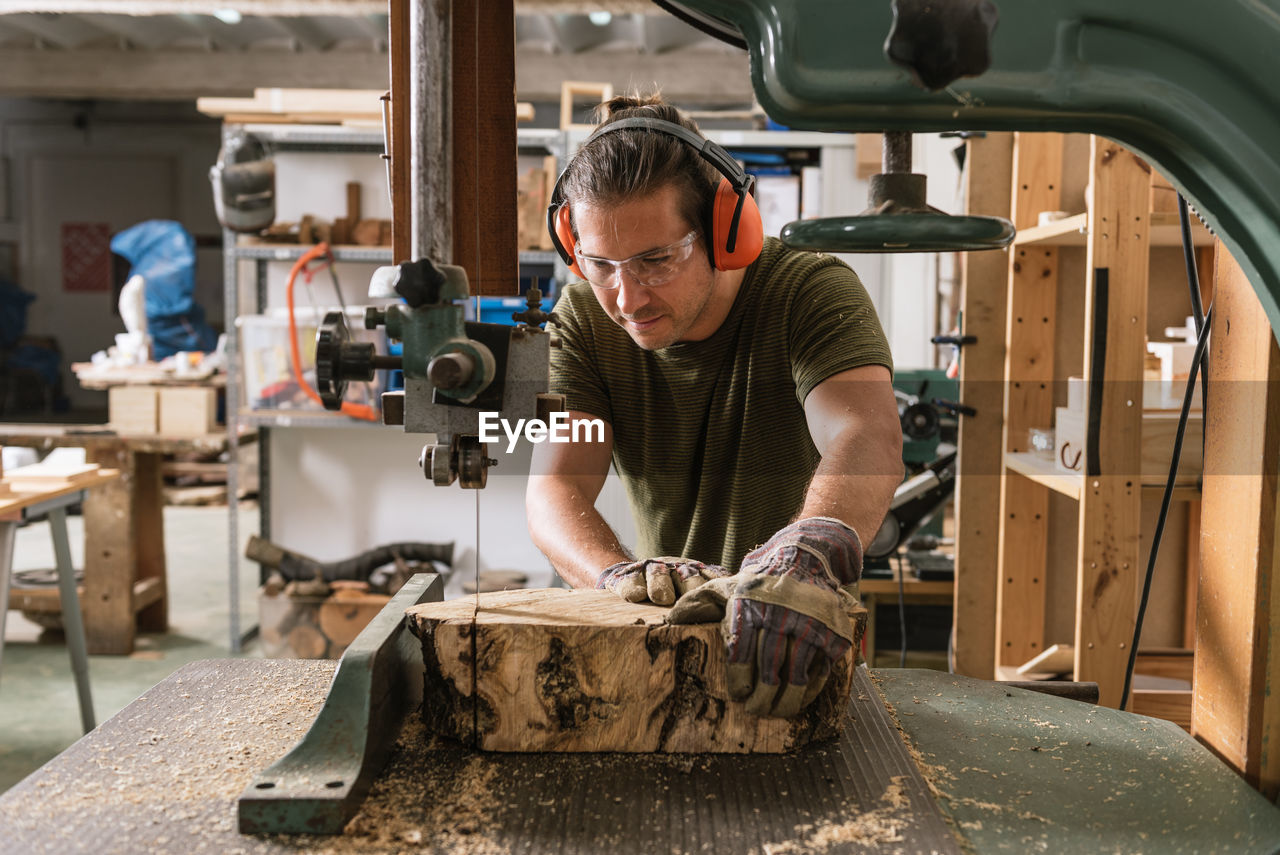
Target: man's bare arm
853,419
564,482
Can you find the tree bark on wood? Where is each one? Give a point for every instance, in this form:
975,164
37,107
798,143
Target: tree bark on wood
556,670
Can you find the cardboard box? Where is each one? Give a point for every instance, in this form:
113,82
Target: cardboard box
188,410
133,410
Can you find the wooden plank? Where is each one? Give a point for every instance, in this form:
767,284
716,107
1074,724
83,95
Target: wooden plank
1236,671
1172,663
484,146
46,600
110,554
1028,402
1108,556
571,89
868,154
1165,230
984,303
42,477
1056,659
148,516
557,670
1193,575
1169,704
18,501
398,148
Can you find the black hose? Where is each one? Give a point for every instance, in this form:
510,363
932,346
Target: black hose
1201,340
1193,279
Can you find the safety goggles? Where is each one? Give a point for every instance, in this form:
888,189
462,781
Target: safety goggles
650,268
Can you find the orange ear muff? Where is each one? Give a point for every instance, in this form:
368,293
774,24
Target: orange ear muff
564,231
749,238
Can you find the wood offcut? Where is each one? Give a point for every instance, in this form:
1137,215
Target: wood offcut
556,670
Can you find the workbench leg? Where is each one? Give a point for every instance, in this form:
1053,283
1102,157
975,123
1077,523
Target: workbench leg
72,621
148,516
110,554
7,530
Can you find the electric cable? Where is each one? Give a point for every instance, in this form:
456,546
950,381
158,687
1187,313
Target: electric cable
1193,279
1199,364
1201,341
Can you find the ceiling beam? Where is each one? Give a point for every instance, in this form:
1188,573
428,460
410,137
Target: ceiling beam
695,76
303,7
175,75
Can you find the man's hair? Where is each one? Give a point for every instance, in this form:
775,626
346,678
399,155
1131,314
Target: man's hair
630,164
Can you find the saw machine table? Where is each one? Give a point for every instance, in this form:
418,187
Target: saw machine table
1013,771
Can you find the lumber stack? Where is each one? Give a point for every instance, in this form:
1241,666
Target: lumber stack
557,670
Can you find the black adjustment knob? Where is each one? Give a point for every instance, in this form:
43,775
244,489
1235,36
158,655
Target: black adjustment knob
338,360
957,340
940,41
955,408
420,282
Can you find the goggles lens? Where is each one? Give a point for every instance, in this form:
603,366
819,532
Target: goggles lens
650,268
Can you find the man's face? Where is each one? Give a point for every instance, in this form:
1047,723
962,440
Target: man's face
655,316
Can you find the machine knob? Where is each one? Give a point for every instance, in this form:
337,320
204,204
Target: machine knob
451,370
919,421
338,359
940,41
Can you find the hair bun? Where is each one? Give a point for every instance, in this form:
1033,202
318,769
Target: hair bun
631,105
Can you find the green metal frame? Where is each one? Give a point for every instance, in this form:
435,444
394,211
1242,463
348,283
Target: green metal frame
317,787
1188,84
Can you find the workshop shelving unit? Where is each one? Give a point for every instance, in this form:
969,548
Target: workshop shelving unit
241,250
1063,535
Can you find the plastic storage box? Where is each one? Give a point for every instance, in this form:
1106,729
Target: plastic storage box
269,383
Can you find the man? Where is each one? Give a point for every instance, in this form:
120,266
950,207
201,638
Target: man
747,401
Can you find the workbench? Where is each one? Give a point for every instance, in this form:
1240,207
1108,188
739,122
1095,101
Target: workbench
1010,771
125,590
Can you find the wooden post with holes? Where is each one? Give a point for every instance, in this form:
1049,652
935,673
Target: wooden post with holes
980,459
1028,402
1109,548
1236,707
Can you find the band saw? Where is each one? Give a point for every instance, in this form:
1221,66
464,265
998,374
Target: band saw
215,757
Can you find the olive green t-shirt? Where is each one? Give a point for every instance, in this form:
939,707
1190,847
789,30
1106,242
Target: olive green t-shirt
709,437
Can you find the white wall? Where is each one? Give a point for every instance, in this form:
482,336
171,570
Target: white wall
115,163
338,491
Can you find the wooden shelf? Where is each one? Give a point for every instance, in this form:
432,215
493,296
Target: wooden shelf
1045,473
1074,231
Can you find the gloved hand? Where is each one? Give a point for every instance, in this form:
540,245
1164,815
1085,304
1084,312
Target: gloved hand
658,580
784,616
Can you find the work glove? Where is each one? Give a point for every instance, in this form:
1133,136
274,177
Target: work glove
784,616
659,580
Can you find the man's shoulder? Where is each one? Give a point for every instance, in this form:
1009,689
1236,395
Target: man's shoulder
778,263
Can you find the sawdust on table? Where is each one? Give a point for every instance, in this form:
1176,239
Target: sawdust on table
446,808
881,825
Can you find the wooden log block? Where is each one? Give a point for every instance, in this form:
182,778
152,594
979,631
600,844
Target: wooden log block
556,670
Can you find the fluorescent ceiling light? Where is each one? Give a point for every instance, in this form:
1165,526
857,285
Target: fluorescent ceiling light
600,19
227,16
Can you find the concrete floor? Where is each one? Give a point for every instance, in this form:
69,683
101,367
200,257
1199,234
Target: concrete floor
39,715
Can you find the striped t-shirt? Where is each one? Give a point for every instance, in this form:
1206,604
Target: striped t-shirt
709,437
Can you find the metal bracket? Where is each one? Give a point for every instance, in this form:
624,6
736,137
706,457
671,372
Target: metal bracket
317,787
